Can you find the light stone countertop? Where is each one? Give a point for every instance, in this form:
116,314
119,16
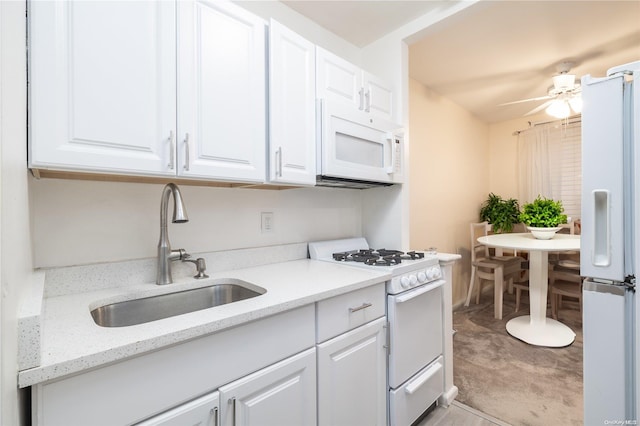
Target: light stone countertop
72,342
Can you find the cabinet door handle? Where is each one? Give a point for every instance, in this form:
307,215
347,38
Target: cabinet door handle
186,152
233,410
172,150
367,97
359,308
361,97
279,162
214,413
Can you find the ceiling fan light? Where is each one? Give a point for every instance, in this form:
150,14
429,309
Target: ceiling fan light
564,81
576,104
558,109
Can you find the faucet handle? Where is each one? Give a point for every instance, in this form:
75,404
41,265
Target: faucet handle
201,267
179,254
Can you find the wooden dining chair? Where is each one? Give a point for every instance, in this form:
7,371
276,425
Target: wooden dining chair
485,267
521,283
564,280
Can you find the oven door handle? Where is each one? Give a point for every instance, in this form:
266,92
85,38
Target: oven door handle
417,292
422,379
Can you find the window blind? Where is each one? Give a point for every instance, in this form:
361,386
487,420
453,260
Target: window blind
550,164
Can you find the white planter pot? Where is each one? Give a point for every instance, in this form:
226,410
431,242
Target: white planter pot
543,233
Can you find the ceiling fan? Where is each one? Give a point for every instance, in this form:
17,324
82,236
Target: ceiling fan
563,96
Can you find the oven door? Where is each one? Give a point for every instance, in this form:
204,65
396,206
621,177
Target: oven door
356,145
416,330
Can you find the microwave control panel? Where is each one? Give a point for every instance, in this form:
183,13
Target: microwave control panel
397,155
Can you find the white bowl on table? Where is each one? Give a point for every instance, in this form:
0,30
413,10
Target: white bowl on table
543,233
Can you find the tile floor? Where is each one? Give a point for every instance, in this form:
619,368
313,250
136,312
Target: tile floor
458,414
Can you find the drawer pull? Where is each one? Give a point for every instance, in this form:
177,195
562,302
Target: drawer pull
422,379
359,308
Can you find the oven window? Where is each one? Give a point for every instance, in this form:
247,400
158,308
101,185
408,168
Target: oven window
352,149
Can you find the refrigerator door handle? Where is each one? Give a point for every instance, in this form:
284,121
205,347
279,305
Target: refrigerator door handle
601,250
589,285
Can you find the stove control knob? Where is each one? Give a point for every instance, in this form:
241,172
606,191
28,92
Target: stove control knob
405,282
433,273
413,280
422,276
437,272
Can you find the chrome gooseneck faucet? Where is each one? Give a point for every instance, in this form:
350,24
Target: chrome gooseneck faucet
165,254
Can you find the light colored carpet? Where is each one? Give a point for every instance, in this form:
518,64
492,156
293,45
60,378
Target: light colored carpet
511,380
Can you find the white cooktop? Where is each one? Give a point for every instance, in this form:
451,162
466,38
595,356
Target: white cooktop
323,250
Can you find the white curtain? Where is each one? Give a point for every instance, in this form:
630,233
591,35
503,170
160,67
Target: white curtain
549,164
534,171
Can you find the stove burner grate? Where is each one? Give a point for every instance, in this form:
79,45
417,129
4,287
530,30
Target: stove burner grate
380,257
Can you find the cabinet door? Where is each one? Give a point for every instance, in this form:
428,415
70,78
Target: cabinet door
221,92
203,411
102,86
378,97
352,377
282,394
292,100
338,80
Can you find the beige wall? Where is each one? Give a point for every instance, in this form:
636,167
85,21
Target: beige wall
449,174
456,161
503,154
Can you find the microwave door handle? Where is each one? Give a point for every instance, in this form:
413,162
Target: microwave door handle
389,138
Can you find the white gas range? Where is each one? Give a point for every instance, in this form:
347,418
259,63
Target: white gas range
415,369
410,269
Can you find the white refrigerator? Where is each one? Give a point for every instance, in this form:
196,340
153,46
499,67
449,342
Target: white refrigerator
609,252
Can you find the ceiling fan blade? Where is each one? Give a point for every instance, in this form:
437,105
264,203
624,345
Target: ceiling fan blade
526,100
539,108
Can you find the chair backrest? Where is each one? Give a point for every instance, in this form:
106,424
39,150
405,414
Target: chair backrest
567,228
560,273
478,251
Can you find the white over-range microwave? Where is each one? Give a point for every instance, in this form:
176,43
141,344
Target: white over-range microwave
356,149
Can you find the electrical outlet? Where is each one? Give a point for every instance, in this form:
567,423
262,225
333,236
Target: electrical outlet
266,225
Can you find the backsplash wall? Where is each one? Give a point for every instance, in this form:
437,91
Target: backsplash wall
83,222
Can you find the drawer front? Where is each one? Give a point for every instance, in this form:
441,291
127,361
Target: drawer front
413,398
348,311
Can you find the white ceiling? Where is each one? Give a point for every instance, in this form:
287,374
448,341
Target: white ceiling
494,51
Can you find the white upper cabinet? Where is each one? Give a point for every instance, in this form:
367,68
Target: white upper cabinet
148,88
378,96
342,81
102,85
221,91
338,79
292,121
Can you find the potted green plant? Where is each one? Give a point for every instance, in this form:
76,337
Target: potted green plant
500,213
543,216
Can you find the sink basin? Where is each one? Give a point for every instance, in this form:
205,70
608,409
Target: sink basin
139,311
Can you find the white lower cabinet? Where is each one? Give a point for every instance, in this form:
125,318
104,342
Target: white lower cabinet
202,411
352,377
280,395
165,381
320,364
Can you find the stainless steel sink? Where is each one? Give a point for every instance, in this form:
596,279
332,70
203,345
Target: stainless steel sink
139,311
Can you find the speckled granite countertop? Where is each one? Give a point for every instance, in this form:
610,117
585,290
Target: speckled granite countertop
72,342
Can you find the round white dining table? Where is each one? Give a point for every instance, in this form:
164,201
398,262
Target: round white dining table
536,328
